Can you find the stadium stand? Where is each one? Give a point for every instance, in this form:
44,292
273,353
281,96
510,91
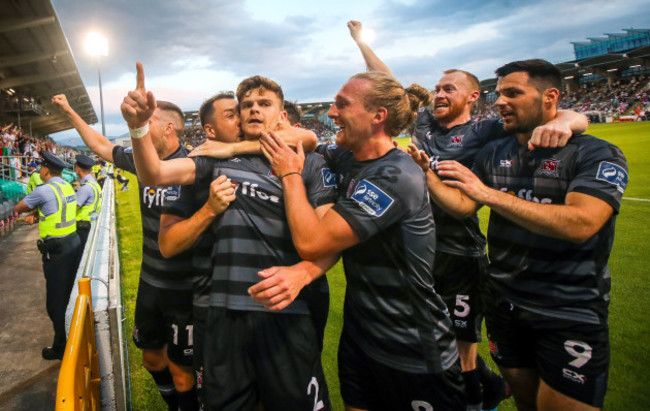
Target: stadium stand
608,80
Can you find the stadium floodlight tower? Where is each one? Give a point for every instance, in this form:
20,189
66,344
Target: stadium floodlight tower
97,46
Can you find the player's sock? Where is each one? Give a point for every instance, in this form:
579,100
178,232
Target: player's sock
473,390
165,384
188,400
495,388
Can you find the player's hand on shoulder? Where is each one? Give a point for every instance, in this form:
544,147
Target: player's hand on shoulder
213,148
550,135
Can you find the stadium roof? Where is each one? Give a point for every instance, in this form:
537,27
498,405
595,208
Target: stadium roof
594,65
36,63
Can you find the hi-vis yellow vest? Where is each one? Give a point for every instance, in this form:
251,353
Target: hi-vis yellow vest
84,212
63,221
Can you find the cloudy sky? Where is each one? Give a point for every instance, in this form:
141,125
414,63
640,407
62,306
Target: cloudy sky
193,49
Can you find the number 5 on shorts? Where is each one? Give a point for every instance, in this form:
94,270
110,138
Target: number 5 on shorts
462,308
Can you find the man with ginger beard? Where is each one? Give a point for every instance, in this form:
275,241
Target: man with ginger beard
550,234
448,133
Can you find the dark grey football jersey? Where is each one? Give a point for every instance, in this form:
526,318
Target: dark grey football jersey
391,307
547,275
460,143
156,270
253,233
184,203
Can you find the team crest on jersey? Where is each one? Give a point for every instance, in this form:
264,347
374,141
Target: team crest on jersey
506,163
456,141
329,178
173,193
332,147
235,160
371,198
549,168
429,135
613,174
271,174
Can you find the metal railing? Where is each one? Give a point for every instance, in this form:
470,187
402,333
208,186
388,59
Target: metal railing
78,385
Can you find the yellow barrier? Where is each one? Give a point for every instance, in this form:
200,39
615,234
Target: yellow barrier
78,386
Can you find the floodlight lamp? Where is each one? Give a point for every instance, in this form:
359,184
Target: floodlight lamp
96,44
368,35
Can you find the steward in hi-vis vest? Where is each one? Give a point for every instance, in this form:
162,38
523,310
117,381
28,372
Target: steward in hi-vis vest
59,243
88,196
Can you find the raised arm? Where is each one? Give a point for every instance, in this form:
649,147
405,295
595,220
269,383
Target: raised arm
137,109
373,63
94,140
178,234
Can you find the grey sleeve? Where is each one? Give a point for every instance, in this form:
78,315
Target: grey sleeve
380,200
320,181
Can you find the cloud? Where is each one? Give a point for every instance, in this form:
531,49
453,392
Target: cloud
191,50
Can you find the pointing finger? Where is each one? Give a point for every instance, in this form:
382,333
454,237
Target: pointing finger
139,84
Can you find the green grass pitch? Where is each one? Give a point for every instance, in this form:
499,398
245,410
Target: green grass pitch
628,385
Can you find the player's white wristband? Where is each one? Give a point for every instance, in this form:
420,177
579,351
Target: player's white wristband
139,132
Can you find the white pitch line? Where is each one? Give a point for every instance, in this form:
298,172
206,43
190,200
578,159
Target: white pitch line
637,199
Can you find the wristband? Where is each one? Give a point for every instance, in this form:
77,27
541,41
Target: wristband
288,174
137,133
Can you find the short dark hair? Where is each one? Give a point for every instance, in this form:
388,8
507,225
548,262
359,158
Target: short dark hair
207,107
173,108
293,112
545,74
260,83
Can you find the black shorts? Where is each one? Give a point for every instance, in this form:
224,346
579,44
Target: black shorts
163,317
456,279
254,356
571,357
370,385
317,295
